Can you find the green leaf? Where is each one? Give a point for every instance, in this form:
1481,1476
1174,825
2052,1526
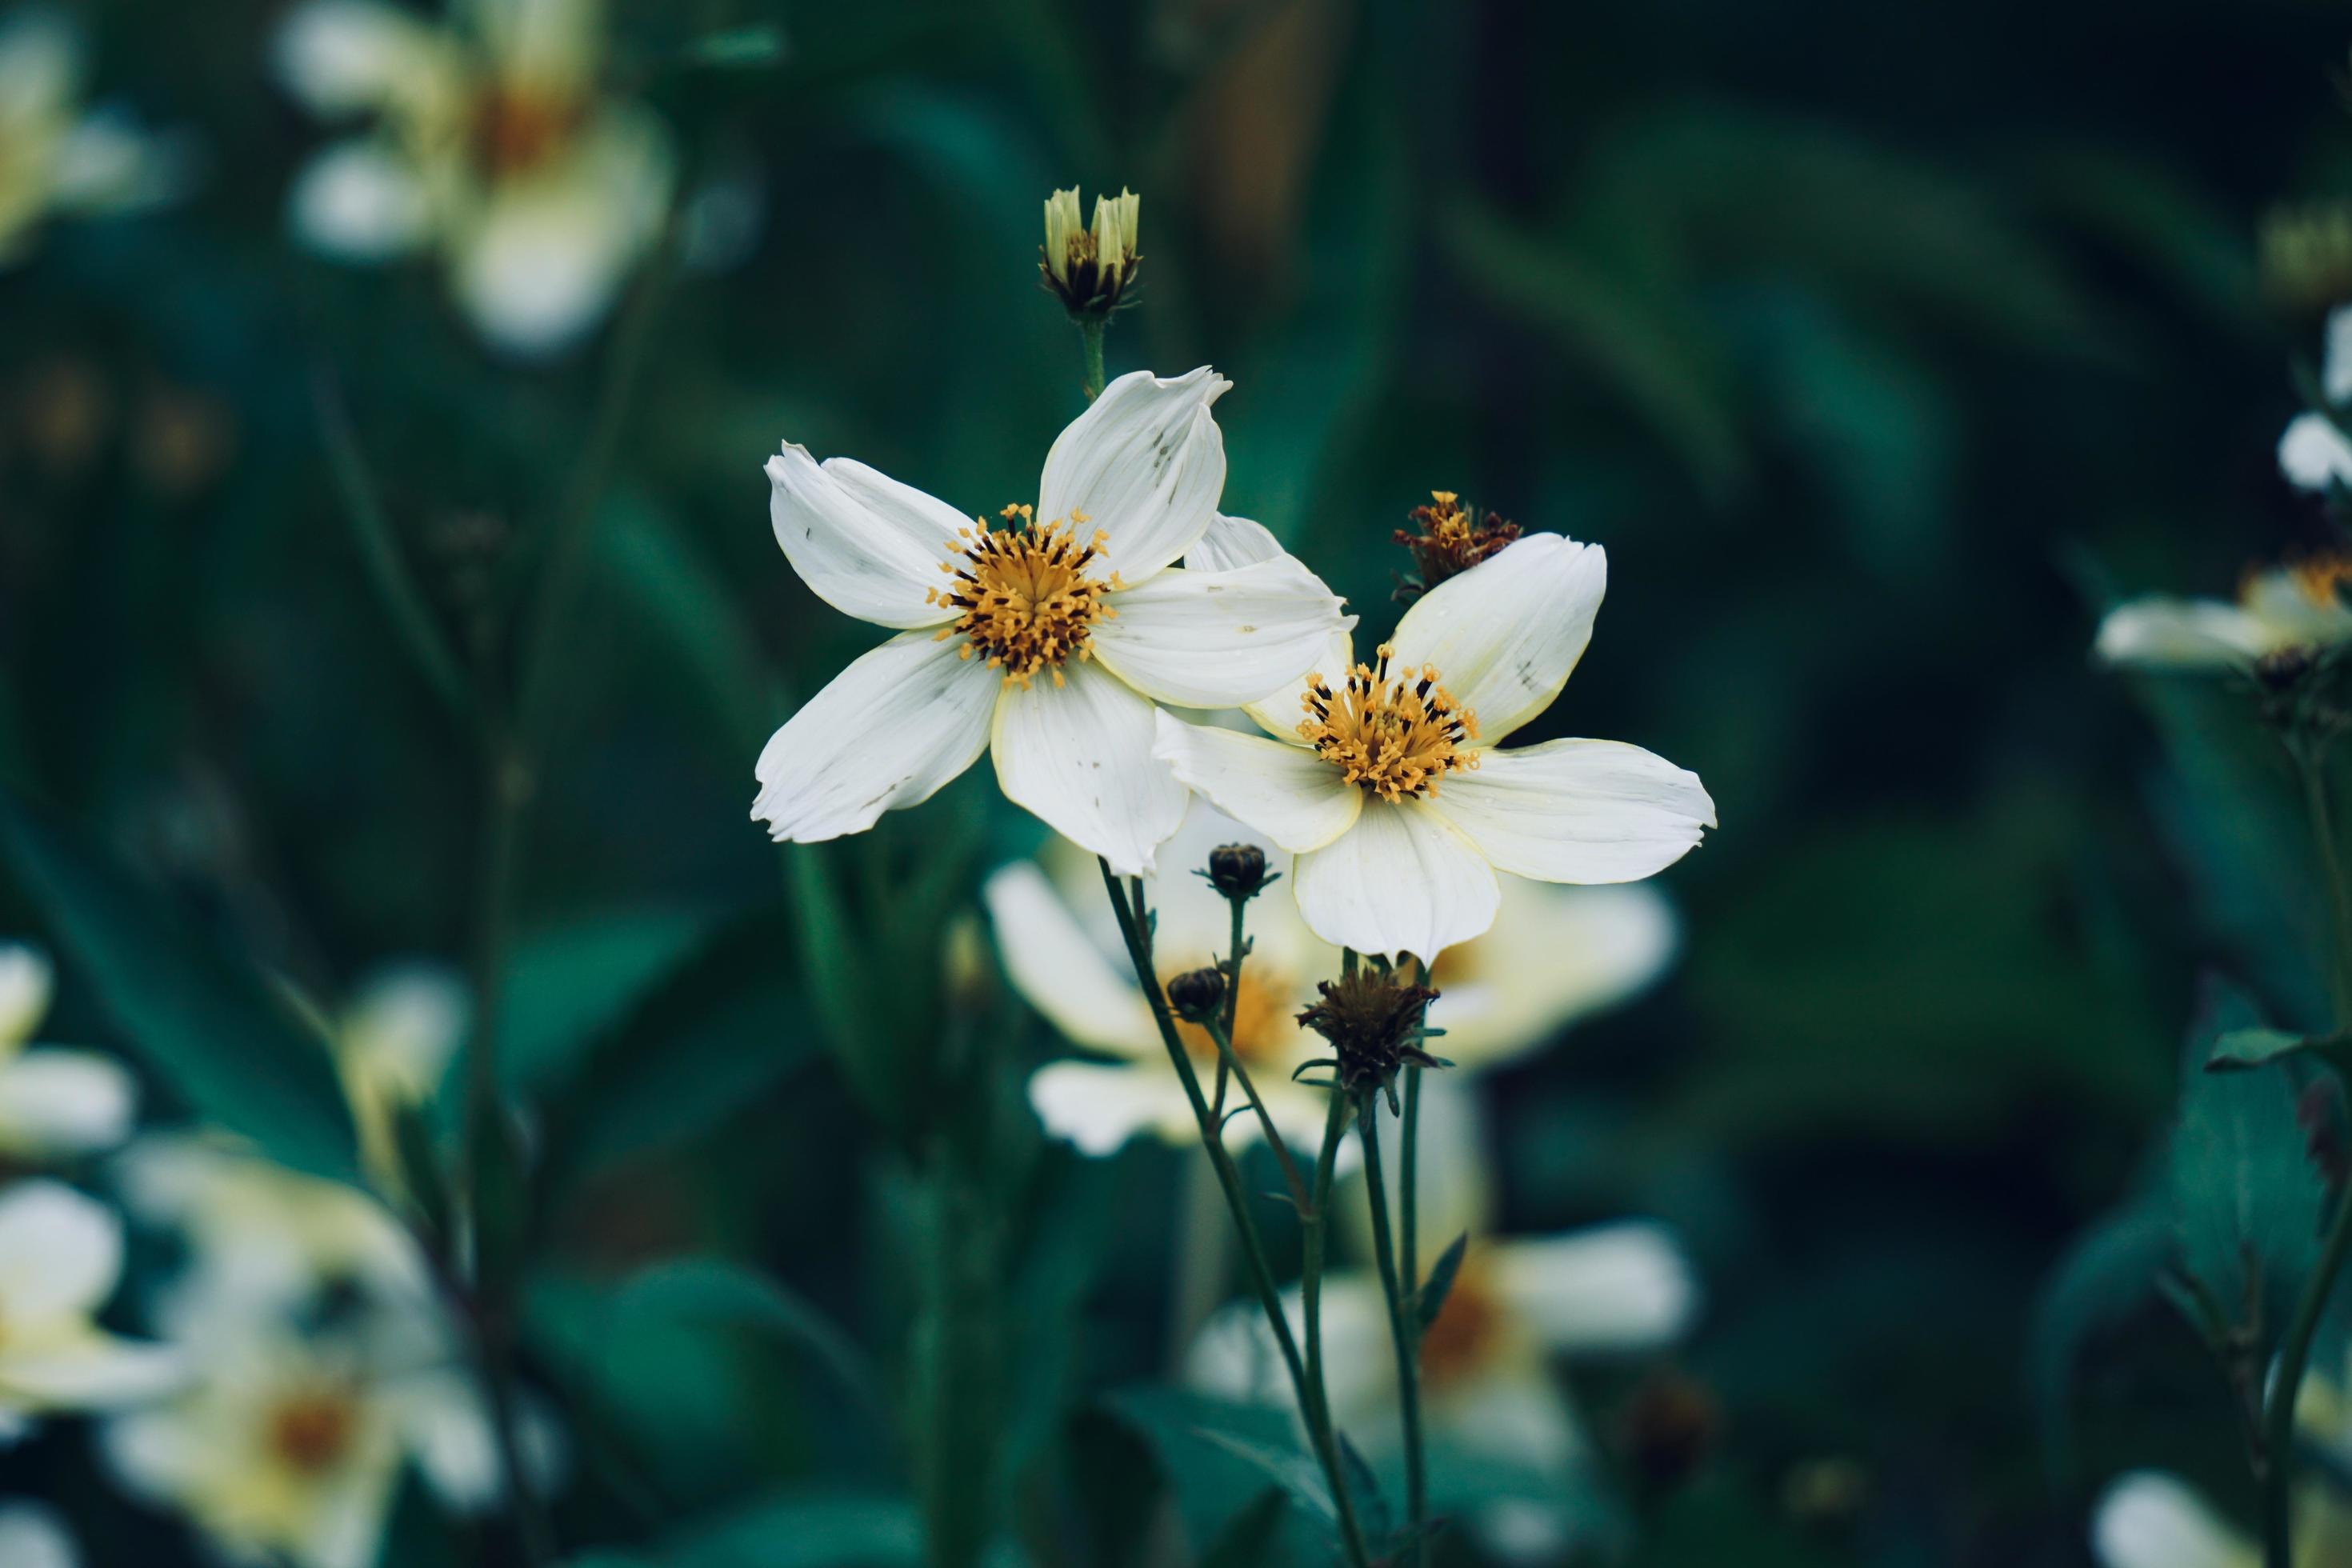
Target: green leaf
1247,1539
208,1026
1218,1457
2239,1049
832,1532
2110,1271
1435,1290
569,985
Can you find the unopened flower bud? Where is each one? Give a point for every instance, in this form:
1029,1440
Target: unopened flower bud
1446,540
1197,994
1090,270
1237,870
1373,1021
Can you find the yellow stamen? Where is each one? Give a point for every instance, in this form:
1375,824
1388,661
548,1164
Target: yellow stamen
1395,738
1028,597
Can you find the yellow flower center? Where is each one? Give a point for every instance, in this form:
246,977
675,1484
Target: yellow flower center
1466,1329
2323,579
311,1431
1028,597
1394,737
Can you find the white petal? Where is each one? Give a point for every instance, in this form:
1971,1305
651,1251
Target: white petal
1453,1185
403,1027
1518,1412
1402,880
884,735
2148,1520
25,981
342,56
1099,1105
1232,542
56,1102
2336,369
2313,454
1506,635
360,201
1145,465
1065,976
2180,634
1556,954
442,1424
1078,756
59,1252
865,544
1615,1288
33,1537
1578,811
1287,793
1218,639
106,163
92,1372
1234,1355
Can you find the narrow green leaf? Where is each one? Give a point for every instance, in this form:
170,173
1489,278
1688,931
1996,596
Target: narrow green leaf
2239,1049
208,1026
1435,1290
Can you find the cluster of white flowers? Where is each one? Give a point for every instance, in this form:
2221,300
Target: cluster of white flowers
55,157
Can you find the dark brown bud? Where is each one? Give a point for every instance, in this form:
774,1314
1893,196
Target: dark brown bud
1197,994
1237,870
1373,1020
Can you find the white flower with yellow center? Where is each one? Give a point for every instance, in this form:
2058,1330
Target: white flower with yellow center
291,1448
493,143
52,1102
1557,953
1388,783
1045,642
54,156
2280,610
61,1256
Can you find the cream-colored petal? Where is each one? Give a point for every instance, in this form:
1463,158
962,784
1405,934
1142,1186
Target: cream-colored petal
57,1102
885,735
2179,634
1402,880
60,1252
1145,465
1518,1412
552,47
1287,792
26,982
1555,954
340,56
1578,811
1078,756
442,1425
1234,542
1219,639
360,201
2314,454
405,1024
1230,542
1615,1288
1506,635
1234,1355
31,1536
1053,963
92,1371
864,543
1100,1106
2149,1520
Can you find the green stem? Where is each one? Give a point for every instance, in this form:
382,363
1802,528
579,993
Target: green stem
1090,343
1233,1064
1233,998
1313,1239
1401,1333
1313,1409
1408,1182
2309,761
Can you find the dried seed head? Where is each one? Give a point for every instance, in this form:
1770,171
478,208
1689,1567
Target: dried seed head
1237,870
1373,1020
1197,994
1446,540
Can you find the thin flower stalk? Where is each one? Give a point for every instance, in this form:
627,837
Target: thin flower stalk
1402,1331
1231,1064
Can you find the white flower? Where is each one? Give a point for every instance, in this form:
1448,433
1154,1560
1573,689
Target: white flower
1557,953
54,157
290,1448
492,145
2281,609
31,1536
2314,454
1393,791
52,1102
1046,644
2147,1519
61,1254
392,1048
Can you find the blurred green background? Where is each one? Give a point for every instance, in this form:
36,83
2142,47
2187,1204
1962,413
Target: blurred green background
1878,344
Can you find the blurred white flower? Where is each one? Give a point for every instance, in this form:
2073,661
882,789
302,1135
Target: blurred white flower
57,157
1047,643
32,1536
493,143
61,1256
2314,454
1557,953
2278,610
290,1448
392,1047
1393,792
52,1102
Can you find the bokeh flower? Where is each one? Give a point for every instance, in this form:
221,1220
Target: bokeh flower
55,156
32,1536
2279,610
53,1102
1388,782
492,143
1045,643
60,1257
2313,453
392,1047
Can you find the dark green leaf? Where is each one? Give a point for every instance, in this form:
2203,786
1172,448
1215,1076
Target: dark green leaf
568,986
1435,1288
1247,1539
2239,1049
2112,1270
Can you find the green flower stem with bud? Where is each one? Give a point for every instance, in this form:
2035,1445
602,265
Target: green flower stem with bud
1135,927
1403,1330
1233,1064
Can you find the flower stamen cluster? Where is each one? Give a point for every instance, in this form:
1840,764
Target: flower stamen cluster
1446,540
1394,738
1028,596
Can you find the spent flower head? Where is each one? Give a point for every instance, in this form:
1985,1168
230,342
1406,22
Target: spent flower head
1374,1019
1448,539
1091,270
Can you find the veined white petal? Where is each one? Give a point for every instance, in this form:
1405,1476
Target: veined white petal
1078,756
864,543
1065,976
56,1102
1402,880
2313,454
1577,811
360,201
1218,639
2149,1520
1145,465
59,1252
338,57
2180,634
1230,542
886,733
1556,954
26,982
31,1536
1614,1288
90,1371
1100,1106
1287,793
1506,635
